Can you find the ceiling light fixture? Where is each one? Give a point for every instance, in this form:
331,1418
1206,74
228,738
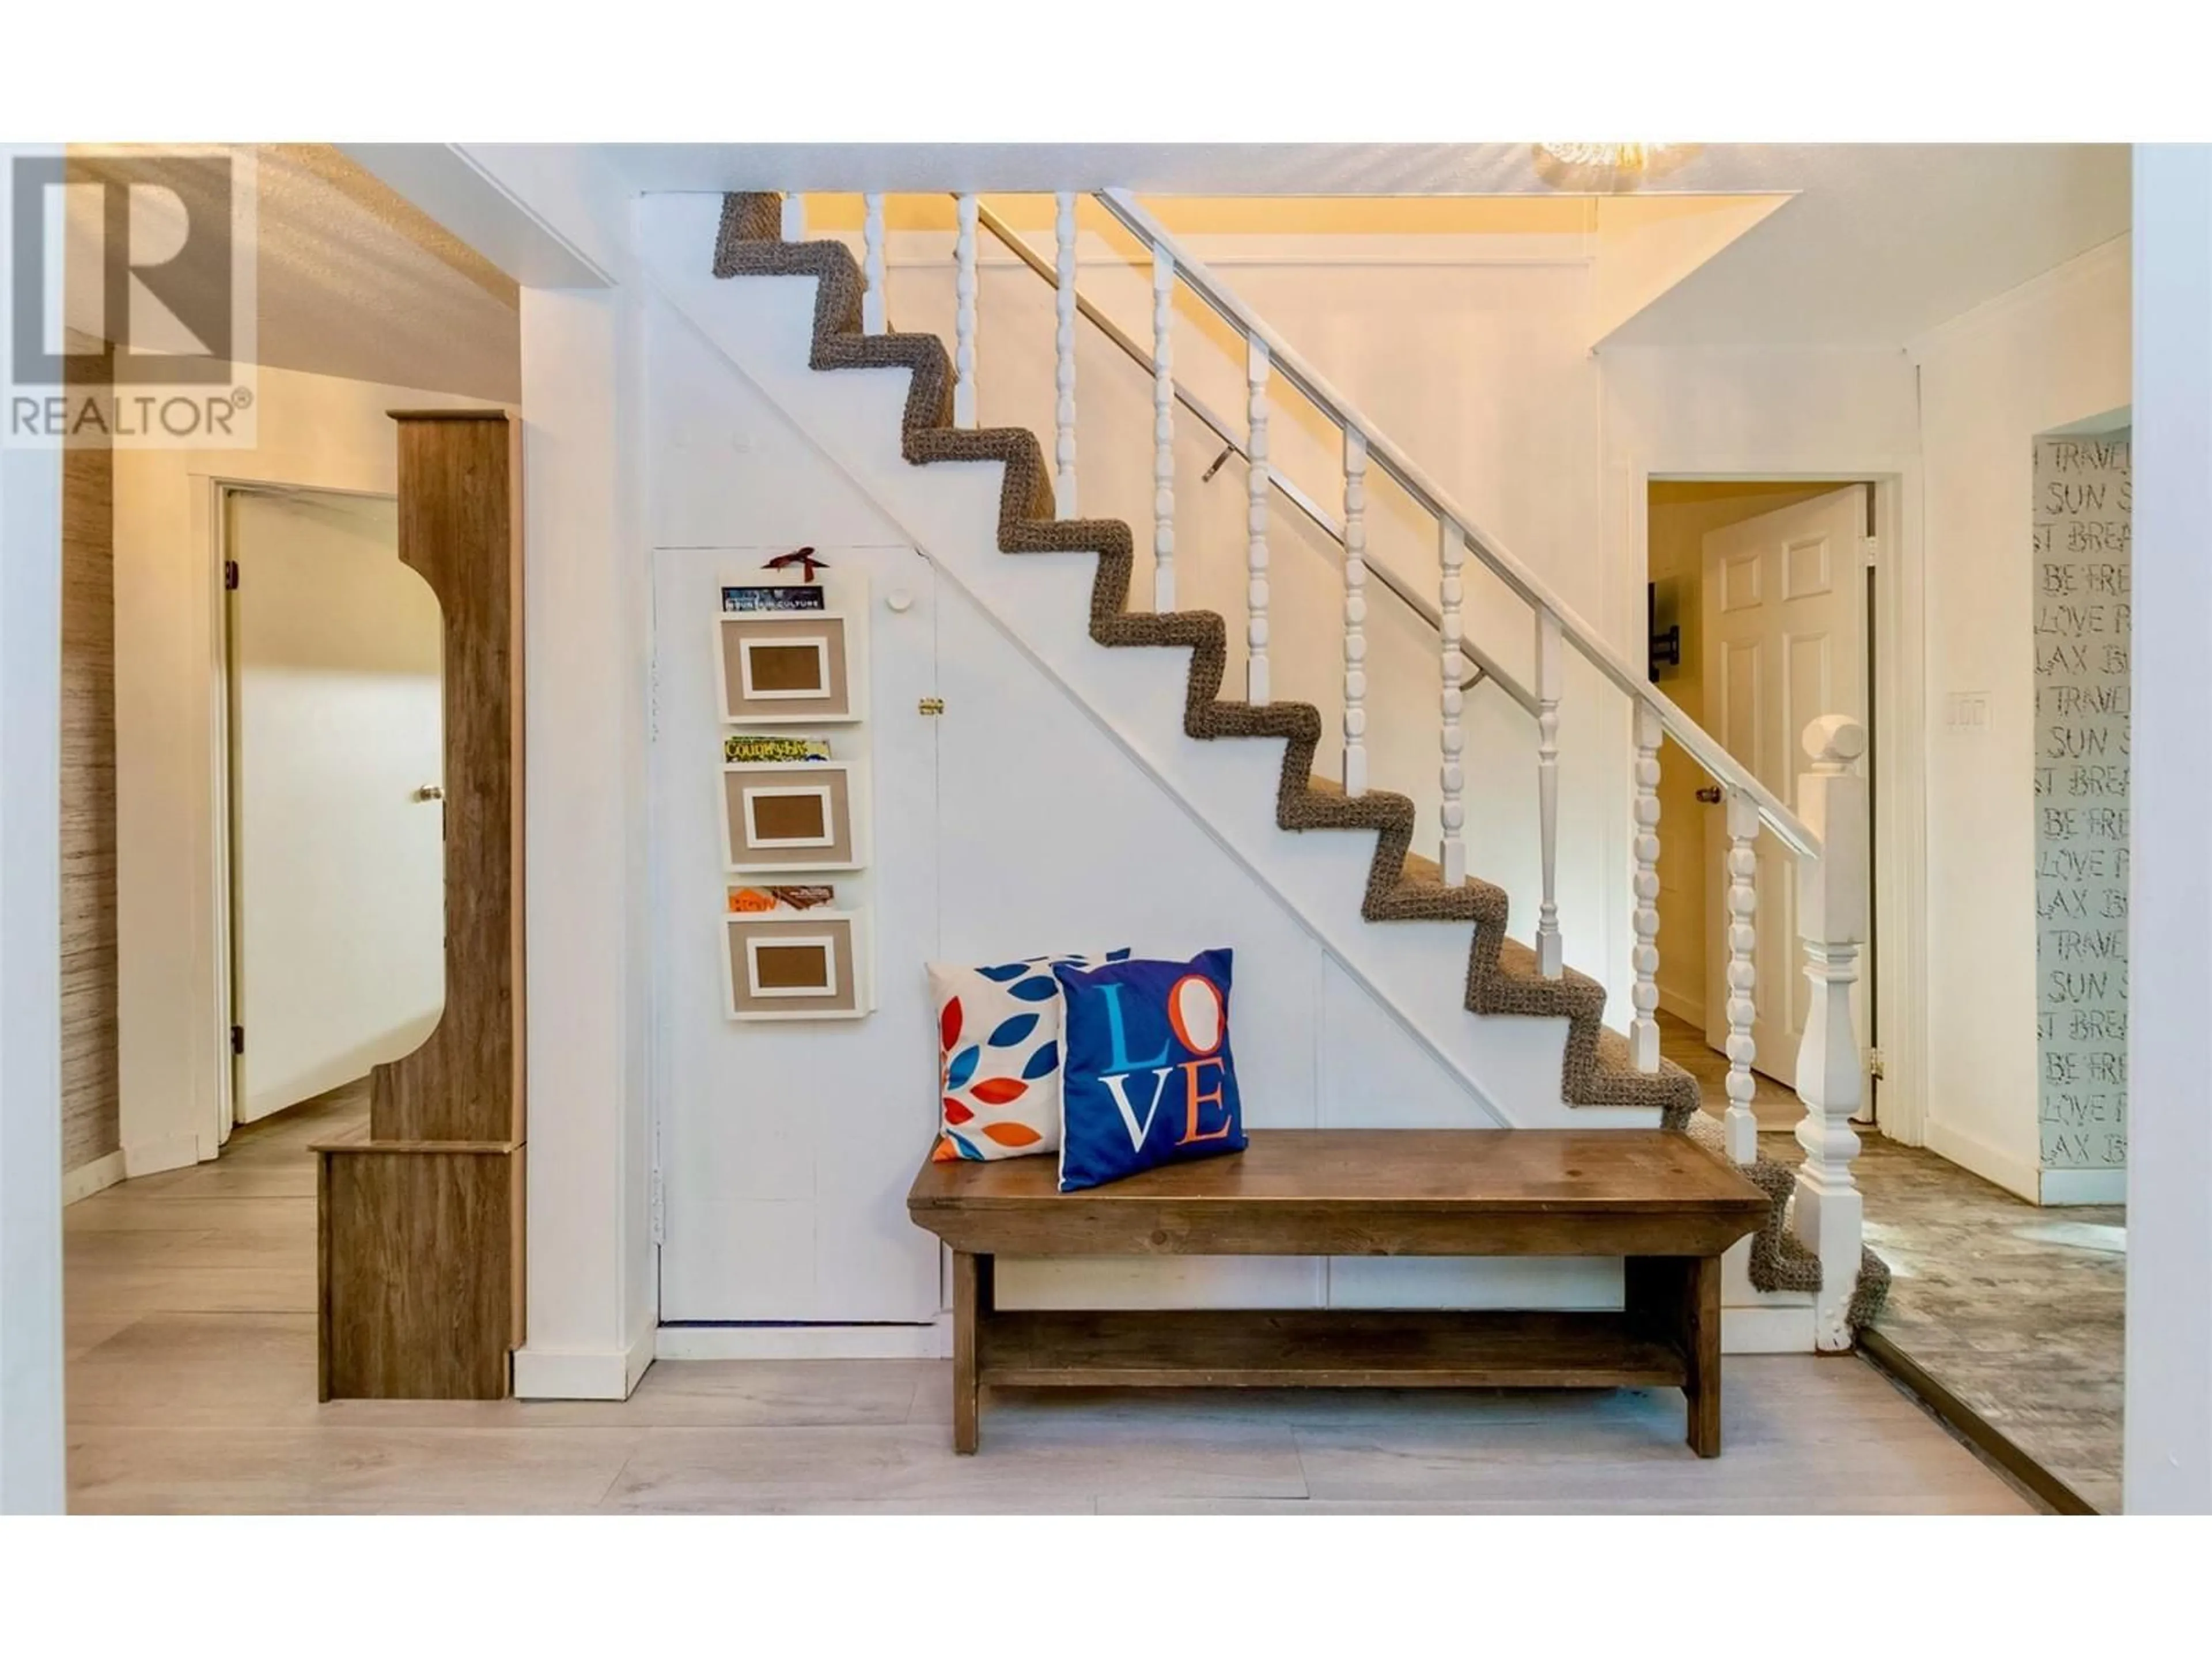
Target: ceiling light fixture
1621,158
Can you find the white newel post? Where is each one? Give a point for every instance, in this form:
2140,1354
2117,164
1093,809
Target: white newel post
964,318
1255,548
1832,918
1355,612
1163,277
1741,1127
873,319
1063,482
1550,671
1451,814
1644,1030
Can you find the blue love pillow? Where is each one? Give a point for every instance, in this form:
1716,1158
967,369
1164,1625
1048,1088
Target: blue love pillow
1147,1078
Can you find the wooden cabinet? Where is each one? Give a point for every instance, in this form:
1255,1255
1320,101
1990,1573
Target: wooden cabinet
420,1225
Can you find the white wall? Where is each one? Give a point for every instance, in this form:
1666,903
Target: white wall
2169,1313
31,1434
1420,332
315,431
1050,835
2048,354
31,1473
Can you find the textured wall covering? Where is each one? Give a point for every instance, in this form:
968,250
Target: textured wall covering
89,1124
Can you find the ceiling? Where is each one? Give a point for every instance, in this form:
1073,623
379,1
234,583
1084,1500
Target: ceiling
353,280
1878,243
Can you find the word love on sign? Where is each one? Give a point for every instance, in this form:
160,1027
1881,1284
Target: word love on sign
1198,1022
1149,1078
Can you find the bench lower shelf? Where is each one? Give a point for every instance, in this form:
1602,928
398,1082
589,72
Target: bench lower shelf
1321,1348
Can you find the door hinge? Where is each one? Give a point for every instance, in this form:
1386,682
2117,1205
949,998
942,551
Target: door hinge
658,1210
1874,1063
230,575
930,706
1869,550
238,1039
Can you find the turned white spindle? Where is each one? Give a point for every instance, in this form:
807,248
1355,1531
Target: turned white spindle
1163,279
1643,1030
1063,481
963,319
872,264
1741,1127
1255,522
1550,670
1355,611
1451,816
793,225
1832,920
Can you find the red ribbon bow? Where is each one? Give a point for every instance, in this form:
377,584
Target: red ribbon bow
803,557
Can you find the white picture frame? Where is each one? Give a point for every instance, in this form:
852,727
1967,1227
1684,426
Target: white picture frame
844,937
839,642
843,843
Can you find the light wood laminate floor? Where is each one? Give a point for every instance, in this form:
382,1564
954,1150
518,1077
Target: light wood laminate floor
191,1389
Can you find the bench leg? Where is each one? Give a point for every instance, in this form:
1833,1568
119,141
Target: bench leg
1701,1345
1678,1298
974,1294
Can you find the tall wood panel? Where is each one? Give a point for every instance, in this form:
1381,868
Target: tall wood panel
421,1225
460,528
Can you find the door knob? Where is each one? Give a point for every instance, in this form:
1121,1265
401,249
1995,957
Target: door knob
431,791
1710,794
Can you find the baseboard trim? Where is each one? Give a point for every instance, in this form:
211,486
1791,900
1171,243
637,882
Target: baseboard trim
582,1373
931,1342
87,1179
1767,1329
2015,1175
153,1157
1887,1357
2084,1187
1690,1010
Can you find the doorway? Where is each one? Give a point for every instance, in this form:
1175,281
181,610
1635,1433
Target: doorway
334,803
1760,596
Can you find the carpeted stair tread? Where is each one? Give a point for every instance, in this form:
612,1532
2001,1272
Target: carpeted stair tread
1502,976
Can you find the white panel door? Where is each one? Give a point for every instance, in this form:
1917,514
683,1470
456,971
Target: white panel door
787,1147
1784,619
338,858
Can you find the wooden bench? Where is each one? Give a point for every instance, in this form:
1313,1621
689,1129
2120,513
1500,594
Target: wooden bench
1656,1198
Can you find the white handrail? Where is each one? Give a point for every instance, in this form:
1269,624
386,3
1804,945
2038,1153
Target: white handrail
1382,453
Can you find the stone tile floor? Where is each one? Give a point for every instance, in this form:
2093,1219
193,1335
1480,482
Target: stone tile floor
2014,1308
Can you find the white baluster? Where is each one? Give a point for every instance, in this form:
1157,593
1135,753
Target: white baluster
1644,1031
963,323
1451,848
1355,611
1551,669
872,264
1164,599
1063,482
793,225
1255,518
1742,1128
1831,919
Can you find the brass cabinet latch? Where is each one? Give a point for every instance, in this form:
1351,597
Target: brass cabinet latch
930,706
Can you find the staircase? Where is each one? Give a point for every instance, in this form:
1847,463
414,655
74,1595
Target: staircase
1810,1247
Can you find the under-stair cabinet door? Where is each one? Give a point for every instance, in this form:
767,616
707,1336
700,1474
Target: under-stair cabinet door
338,875
1784,616
795,1064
